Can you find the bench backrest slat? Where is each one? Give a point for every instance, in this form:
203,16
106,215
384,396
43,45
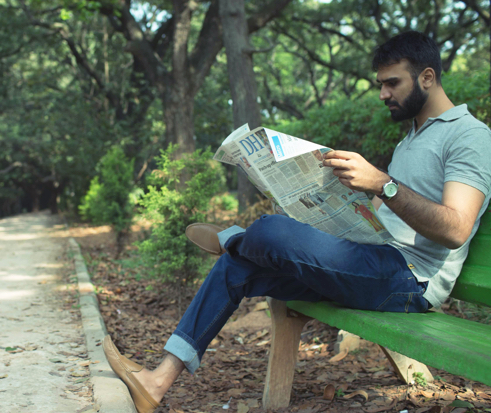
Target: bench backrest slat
474,282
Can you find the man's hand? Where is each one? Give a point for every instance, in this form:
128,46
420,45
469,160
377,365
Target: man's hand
356,172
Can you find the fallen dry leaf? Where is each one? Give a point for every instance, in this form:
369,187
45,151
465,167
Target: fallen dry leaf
423,409
263,305
329,392
235,392
383,408
338,357
448,396
242,408
414,399
252,403
79,374
357,393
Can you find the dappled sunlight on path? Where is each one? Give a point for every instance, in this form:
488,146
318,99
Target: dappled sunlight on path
40,335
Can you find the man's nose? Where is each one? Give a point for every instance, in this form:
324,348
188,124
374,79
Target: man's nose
384,93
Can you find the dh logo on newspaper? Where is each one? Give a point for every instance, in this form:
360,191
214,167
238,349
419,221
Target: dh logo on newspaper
251,144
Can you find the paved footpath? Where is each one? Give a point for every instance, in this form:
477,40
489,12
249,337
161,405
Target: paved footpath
44,355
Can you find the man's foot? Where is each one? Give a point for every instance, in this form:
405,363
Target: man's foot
205,236
126,370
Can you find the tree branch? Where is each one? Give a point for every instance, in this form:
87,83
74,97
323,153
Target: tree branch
267,13
80,56
483,14
316,58
10,167
318,25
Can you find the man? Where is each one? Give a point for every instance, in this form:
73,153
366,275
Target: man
431,200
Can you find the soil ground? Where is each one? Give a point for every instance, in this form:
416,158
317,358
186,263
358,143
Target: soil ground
141,313
43,359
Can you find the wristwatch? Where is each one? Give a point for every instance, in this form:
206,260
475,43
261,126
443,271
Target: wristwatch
389,190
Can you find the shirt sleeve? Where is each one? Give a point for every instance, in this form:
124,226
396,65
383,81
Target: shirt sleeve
468,159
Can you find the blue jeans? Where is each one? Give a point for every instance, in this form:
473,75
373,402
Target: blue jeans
287,260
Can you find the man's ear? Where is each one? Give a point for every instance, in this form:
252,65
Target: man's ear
428,78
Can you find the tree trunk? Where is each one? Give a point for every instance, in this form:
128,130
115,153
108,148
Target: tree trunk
242,82
179,95
35,196
178,117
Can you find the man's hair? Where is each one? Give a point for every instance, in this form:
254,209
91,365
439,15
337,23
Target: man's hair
418,49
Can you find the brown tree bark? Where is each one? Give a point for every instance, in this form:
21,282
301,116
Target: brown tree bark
242,82
243,87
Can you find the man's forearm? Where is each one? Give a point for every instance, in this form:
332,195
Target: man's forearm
434,221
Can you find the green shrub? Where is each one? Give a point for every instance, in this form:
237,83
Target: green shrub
179,195
92,206
108,198
227,202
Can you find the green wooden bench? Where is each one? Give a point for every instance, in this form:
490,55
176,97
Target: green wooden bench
456,345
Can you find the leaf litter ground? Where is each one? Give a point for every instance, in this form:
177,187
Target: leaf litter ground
141,314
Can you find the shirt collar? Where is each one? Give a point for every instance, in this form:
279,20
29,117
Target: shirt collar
455,113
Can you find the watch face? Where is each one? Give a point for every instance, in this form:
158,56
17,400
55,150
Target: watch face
390,189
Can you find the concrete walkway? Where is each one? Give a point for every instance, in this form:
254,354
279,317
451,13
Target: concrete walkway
45,363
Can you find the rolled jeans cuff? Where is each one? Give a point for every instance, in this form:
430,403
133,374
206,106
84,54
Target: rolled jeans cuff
184,351
224,236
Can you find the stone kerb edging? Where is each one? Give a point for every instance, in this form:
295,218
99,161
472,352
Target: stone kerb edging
110,394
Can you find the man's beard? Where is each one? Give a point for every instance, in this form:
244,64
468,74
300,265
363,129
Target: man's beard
411,106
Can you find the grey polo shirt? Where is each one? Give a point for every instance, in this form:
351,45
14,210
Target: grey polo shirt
452,147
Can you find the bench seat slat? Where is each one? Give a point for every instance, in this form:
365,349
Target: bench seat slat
458,346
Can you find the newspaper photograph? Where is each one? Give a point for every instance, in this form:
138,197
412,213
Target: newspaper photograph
289,171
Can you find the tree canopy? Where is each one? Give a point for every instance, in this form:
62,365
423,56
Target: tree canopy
78,77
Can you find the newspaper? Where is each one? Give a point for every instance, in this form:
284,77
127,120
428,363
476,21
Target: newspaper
290,173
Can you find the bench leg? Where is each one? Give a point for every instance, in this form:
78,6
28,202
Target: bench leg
405,366
286,331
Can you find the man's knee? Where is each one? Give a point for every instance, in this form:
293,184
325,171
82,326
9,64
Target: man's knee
271,229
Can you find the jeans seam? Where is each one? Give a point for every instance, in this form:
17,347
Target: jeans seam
409,299
213,321
385,301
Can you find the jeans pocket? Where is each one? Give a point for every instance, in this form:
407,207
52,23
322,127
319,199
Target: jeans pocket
404,303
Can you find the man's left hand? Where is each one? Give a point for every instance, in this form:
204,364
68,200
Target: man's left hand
356,172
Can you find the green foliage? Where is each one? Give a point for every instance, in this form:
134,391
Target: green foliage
92,206
472,89
108,201
227,202
419,379
179,195
339,393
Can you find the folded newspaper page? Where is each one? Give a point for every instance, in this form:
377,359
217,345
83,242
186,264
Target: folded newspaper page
290,173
